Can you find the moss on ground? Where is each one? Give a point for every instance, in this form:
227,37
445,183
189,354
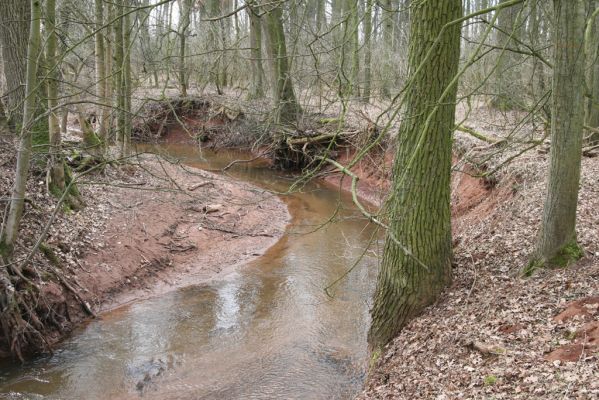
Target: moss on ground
566,256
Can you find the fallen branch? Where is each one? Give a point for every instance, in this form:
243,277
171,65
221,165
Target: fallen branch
486,349
199,185
312,139
489,139
588,151
232,232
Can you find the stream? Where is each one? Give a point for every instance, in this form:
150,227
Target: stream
267,330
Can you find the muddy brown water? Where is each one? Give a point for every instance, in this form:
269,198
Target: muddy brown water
267,330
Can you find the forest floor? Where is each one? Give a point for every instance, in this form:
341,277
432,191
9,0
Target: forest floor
149,226
494,333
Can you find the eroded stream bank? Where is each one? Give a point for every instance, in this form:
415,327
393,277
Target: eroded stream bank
266,330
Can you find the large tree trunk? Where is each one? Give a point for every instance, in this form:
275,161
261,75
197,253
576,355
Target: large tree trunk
557,244
416,263
14,31
10,228
287,108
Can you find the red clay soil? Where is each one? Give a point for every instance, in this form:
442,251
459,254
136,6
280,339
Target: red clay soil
148,228
374,172
156,241
471,197
586,337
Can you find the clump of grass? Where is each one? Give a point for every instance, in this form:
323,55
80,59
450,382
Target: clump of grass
490,380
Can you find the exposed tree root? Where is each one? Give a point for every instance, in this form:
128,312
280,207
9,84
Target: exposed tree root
22,328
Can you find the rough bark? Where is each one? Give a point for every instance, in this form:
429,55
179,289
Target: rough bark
416,263
557,244
14,31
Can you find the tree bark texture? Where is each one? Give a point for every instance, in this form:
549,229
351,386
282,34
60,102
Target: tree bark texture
416,263
557,237
14,32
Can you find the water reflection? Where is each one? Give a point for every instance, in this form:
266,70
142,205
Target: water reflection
266,331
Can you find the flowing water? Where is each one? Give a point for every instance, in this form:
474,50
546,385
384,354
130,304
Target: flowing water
267,330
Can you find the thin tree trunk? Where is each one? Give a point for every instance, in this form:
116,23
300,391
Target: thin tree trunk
388,23
185,9
557,244
100,68
507,73
538,69
367,49
119,60
11,227
126,145
108,67
354,46
287,108
4,129
320,15
416,263
257,78
592,43
55,163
